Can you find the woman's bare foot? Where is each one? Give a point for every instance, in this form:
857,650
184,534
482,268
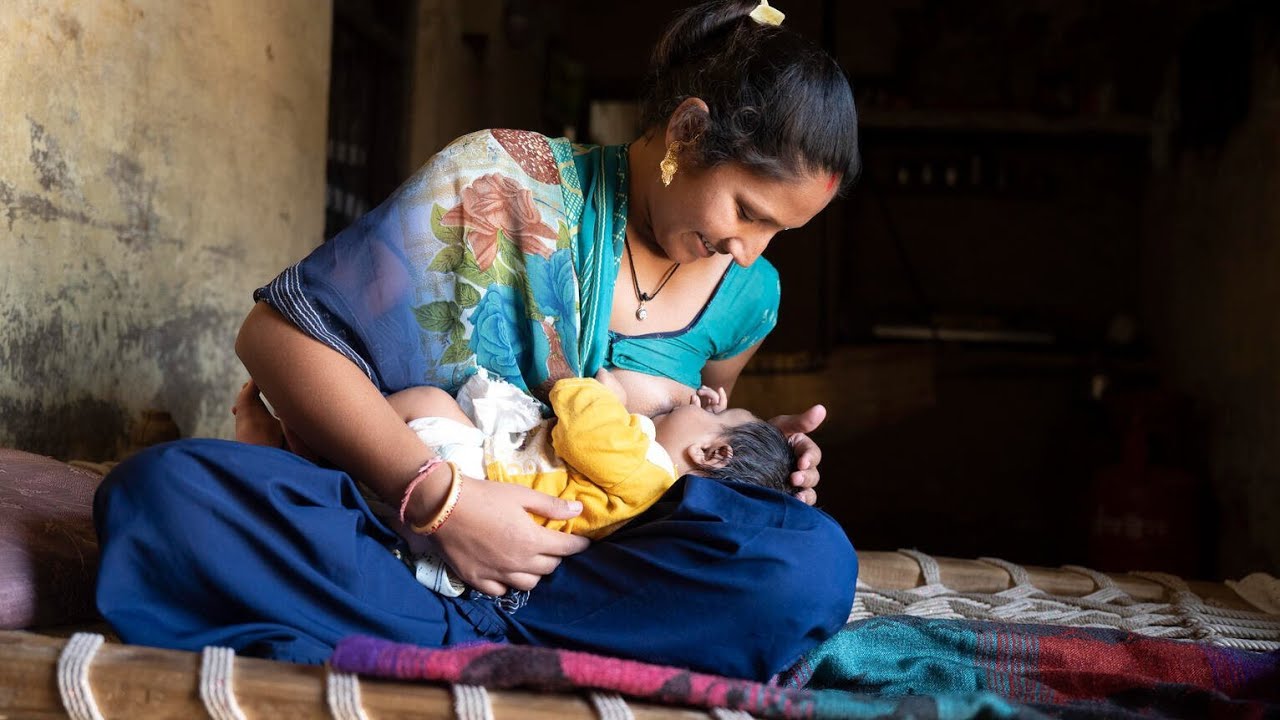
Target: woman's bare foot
255,424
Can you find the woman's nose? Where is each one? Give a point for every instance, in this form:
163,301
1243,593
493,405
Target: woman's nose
745,251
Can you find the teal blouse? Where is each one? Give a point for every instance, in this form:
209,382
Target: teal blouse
741,311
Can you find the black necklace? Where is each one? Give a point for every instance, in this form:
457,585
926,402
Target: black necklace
644,297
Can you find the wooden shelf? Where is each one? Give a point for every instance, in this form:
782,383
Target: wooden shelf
1011,123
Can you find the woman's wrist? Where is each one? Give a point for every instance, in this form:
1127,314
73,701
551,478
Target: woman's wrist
426,494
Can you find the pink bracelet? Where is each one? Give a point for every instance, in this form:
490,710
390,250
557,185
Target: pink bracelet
423,471
446,510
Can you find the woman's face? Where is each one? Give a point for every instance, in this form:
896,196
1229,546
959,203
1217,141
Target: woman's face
730,210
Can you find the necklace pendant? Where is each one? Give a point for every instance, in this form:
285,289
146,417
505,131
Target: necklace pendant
641,312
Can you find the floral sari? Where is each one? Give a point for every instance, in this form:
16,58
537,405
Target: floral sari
501,252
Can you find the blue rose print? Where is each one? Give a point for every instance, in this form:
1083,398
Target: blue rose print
555,290
495,336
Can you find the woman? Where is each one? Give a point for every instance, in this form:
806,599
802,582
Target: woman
535,259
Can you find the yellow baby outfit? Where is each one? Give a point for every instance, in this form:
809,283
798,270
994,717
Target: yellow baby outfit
598,454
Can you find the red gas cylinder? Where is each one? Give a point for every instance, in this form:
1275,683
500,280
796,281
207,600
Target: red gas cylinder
1147,513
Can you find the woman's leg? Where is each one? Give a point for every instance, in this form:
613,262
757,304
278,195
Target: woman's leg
208,542
725,578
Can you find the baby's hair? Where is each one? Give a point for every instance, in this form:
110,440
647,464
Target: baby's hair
761,456
778,103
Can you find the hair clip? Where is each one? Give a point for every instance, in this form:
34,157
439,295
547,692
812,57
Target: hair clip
766,15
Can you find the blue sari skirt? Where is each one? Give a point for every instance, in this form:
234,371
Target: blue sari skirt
210,542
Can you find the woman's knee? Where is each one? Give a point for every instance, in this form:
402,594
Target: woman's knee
148,487
811,594
139,477
177,481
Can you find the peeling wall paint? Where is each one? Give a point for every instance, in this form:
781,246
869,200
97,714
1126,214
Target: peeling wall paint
158,161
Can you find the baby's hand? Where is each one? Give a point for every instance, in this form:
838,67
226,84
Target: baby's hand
716,401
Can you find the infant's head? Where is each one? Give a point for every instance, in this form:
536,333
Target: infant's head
731,445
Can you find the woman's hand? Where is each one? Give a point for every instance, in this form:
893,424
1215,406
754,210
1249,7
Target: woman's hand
808,455
493,544
255,425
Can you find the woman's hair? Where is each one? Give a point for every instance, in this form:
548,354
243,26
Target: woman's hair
778,103
761,456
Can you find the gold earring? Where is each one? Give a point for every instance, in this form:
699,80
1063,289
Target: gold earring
670,163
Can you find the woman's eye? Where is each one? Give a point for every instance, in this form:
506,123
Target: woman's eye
742,214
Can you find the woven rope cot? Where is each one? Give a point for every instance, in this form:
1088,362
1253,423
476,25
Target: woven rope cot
1165,606
85,678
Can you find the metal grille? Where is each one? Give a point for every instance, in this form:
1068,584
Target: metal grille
367,90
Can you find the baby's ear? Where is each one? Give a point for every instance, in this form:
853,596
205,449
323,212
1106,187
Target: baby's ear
714,454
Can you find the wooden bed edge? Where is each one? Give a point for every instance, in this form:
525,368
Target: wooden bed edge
889,570
136,681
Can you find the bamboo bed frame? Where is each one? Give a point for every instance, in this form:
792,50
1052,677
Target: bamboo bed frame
134,681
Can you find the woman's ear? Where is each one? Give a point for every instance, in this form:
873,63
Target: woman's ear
687,121
713,454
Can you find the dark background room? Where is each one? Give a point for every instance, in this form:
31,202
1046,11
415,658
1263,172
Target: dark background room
1045,320
1041,321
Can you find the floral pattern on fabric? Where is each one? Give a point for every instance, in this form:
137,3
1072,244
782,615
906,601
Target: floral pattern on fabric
497,344
404,291
532,152
493,209
514,300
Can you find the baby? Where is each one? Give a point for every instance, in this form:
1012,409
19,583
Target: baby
615,463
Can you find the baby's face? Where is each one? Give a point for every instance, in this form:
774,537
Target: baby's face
691,424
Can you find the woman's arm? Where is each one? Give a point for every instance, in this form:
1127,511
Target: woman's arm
724,373
331,404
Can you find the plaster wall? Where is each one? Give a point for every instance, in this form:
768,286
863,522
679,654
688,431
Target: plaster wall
443,68
476,64
158,161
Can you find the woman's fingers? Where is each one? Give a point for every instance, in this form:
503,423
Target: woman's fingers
543,565
549,506
523,581
561,544
254,423
807,452
550,542
806,475
488,587
805,422
247,395
493,544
